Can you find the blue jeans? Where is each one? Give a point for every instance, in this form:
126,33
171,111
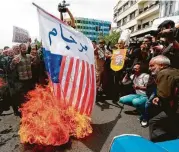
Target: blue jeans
147,105
136,100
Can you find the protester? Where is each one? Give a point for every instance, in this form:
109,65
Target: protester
70,22
35,64
165,123
100,60
154,97
16,49
22,64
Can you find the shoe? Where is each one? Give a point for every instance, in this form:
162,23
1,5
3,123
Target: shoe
144,123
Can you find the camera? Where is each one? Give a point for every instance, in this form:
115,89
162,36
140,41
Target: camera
62,6
129,71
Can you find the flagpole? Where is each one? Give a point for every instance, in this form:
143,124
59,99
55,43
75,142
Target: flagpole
38,6
47,12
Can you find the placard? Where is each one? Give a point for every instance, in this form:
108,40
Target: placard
20,35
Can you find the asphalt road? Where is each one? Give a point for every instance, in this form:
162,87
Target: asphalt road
107,123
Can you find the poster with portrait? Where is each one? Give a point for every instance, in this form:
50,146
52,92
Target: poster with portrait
118,59
20,35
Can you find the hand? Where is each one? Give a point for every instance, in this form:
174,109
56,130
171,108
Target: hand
16,60
109,56
155,101
67,10
126,58
165,31
158,48
136,87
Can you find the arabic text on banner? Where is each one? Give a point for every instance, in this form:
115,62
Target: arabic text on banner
69,59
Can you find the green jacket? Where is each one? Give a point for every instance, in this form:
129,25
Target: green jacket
165,82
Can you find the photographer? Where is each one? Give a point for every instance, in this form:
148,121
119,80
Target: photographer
62,8
169,33
140,81
145,53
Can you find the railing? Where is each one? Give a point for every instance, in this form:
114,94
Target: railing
149,8
123,10
139,30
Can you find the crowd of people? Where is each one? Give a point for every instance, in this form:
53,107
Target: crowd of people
149,80
21,68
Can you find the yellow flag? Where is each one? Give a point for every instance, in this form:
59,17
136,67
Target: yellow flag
118,59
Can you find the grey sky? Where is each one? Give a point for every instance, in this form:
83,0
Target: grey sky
23,14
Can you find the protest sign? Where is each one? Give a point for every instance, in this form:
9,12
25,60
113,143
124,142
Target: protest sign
20,35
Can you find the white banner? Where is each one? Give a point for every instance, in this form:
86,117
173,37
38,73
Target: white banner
61,39
20,35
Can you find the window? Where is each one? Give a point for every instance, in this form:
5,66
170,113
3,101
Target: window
115,15
132,29
126,5
169,8
124,20
119,23
132,15
120,10
141,10
145,25
133,2
139,27
146,8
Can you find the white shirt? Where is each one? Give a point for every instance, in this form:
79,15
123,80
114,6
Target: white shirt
140,81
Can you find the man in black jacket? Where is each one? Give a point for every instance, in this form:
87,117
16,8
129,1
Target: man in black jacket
168,31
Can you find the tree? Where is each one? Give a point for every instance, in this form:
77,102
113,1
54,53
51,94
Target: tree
112,37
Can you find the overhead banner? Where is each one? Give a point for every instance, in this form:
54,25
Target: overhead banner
20,35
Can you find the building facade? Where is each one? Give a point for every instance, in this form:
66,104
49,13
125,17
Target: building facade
169,8
136,15
92,28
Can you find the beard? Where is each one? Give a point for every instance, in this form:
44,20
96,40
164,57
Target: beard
156,71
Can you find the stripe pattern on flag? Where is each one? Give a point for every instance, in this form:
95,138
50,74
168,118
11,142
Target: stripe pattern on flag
76,85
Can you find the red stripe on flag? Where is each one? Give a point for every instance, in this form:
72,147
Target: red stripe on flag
84,100
58,92
68,77
81,85
92,93
74,83
62,67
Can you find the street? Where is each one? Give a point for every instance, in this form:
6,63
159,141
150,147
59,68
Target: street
106,120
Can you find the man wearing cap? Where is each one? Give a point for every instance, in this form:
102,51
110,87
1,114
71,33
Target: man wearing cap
101,53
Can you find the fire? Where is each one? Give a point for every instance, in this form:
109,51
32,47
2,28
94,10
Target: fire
46,122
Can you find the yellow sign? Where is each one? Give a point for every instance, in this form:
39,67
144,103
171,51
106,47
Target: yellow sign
118,59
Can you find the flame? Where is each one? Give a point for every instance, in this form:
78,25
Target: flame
46,121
